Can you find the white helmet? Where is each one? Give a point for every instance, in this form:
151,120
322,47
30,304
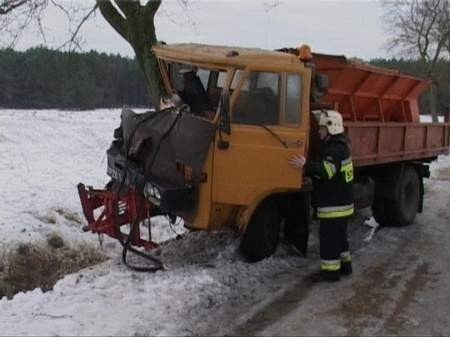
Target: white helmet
331,119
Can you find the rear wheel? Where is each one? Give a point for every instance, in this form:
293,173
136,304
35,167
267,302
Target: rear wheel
379,211
400,202
407,202
261,236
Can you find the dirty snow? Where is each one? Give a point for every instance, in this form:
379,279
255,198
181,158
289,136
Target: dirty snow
208,289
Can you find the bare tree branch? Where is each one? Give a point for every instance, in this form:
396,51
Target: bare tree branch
113,17
9,5
74,34
131,20
421,28
151,7
129,8
18,16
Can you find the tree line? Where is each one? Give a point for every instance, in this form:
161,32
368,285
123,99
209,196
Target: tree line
421,68
42,78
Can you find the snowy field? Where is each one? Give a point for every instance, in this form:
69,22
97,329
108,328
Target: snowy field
45,154
208,289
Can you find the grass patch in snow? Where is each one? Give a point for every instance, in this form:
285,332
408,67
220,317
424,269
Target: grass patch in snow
48,218
69,215
30,266
55,241
53,216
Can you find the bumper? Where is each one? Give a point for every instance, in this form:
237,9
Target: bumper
167,196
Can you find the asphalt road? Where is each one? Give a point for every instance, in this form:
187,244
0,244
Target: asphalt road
400,284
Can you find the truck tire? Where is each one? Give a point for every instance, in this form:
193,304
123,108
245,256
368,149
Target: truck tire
401,207
261,236
379,211
407,202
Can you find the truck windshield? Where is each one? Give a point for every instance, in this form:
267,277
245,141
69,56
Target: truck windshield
199,88
267,98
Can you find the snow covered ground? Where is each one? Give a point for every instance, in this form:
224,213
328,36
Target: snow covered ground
44,156
208,289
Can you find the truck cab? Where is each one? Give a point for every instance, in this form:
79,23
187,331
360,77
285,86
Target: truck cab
260,102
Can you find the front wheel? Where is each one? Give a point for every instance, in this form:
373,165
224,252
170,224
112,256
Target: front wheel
261,236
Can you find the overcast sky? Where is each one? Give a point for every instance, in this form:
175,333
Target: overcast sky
351,28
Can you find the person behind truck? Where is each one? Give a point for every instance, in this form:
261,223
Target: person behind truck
193,93
332,178
170,101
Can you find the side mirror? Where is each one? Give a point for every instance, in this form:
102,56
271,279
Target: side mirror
321,82
224,110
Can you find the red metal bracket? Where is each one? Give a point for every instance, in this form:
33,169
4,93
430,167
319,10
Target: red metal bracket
107,211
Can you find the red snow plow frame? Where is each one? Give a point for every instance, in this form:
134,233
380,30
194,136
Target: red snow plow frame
115,211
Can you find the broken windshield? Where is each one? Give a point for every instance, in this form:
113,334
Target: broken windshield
199,88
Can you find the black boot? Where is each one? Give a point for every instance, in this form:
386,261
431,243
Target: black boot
324,276
330,276
346,268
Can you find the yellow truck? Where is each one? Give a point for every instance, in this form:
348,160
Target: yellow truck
218,156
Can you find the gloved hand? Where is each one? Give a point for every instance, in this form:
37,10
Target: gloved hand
297,161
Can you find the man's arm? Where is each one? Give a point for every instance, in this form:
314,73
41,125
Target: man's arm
324,169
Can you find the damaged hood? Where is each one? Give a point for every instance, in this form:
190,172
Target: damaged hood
155,142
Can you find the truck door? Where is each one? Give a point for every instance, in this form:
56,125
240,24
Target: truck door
270,121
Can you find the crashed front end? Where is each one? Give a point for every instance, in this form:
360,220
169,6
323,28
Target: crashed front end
161,154
155,164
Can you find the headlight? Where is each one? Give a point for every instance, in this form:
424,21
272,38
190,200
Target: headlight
152,193
148,190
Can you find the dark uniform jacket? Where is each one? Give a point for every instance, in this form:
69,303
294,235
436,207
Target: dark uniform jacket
332,179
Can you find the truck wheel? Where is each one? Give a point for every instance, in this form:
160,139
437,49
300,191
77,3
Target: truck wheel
379,211
401,209
407,201
261,235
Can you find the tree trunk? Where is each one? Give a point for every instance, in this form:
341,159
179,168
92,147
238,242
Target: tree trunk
150,68
433,102
136,26
142,38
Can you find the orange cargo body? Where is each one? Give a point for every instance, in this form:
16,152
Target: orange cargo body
381,111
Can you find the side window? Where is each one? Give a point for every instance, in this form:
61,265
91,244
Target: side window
237,79
204,76
258,101
221,80
293,99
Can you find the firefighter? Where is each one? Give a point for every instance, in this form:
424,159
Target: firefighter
332,178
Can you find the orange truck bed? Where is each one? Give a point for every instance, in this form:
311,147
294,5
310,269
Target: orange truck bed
381,112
